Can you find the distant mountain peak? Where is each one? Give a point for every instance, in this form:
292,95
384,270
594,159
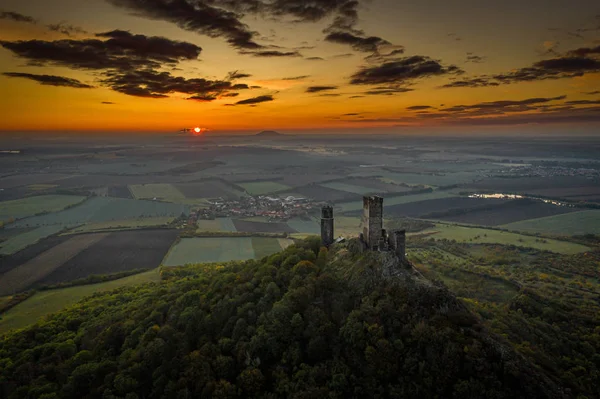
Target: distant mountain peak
269,133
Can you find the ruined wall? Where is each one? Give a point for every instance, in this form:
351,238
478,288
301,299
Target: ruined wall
398,243
327,233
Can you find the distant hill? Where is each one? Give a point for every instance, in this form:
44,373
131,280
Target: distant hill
303,323
269,133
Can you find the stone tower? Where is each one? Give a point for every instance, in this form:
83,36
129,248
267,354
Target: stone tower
398,243
372,221
327,226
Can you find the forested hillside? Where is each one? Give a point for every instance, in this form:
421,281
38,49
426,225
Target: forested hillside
303,323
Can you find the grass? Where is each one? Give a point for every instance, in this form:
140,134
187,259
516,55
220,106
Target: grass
165,192
47,302
127,224
209,249
265,246
216,225
476,235
574,223
25,207
41,187
312,226
263,187
350,188
21,241
405,199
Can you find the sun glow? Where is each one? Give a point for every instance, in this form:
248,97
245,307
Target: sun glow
197,130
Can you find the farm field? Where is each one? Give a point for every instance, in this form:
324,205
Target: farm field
26,275
21,208
509,212
44,303
119,192
427,207
216,225
9,262
351,188
126,224
263,187
262,227
210,249
347,226
104,209
115,252
209,189
320,193
552,186
264,246
475,235
312,226
378,184
165,192
391,201
436,180
23,240
30,179
575,223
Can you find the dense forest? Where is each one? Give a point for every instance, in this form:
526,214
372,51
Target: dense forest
303,323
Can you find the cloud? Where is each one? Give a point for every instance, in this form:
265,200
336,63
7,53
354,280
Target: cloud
502,106
476,59
356,96
120,50
237,75
583,102
330,95
388,91
302,77
315,59
573,63
50,80
15,16
195,16
107,103
358,43
256,100
402,71
66,29
273,53
591,93
419,107
317,89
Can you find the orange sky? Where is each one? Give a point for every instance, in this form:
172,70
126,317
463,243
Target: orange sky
355,84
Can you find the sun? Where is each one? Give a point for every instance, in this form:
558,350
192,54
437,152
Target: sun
197,130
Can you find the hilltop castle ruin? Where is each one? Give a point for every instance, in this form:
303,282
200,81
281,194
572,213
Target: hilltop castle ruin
373,237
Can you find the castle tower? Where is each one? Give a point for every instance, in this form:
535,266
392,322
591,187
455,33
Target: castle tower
398,243
327,226
372,221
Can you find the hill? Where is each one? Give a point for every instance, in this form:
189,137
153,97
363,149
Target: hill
303,323
269,133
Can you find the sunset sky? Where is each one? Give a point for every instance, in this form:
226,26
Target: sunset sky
163,65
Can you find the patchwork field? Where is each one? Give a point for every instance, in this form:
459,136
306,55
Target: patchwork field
164,192
312,226
442,205
127,224
575,223
30,179
21,208
44,303
210,189
115,252
10,262
222,249
486,236
260,227
320,193
104,209
23,240
351,188
391,201
446,179
216,225
556,186
119,192
263,187
24,276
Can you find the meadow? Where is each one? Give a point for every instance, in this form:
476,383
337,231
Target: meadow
163,192
25,207
21,241
575,223
405,199
475,235
47,302
263,187
126,224
351,188
216,225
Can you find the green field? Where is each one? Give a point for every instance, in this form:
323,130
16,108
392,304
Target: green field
216,225
17,243
126,224
575,223
21,208
405,199
349,188
312,226
486,236
445,179
105,209
264,246
46,302
165,192
263,187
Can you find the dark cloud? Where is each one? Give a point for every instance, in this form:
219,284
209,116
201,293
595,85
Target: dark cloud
107,103
454,37
356,96
358,43
419,107
317,89
503,105
476,59
388,91
15,16
121,50
203,98
315,59
574,63
196,16
583,102
66,29
230,95
302,77
255,100
402,71
237,75
591,93
346,55
329,95
273,53
50,80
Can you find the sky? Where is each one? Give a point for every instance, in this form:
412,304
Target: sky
230,65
